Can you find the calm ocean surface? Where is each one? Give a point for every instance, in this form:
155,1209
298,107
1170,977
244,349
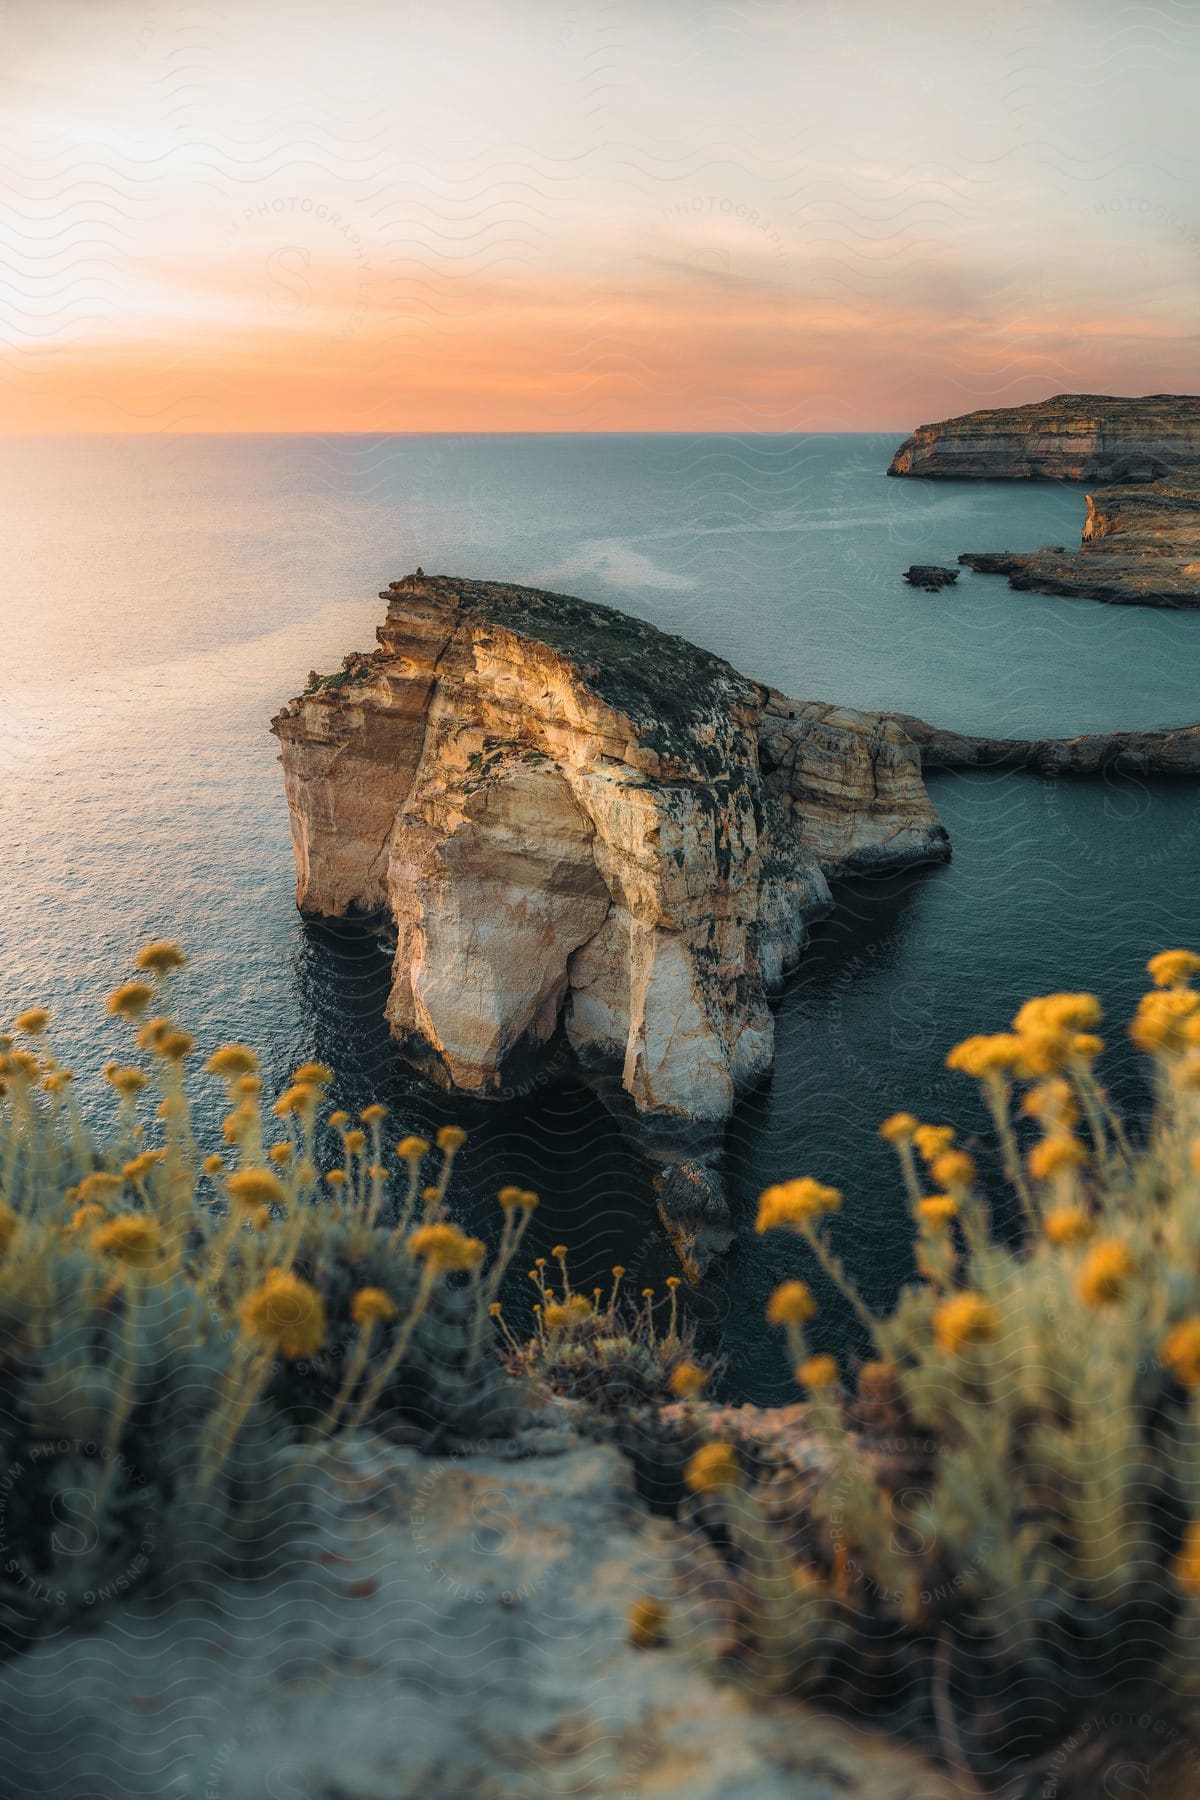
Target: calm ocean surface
162,598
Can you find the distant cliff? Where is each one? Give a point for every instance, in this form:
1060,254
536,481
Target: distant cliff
1071,437
586,829
1141,539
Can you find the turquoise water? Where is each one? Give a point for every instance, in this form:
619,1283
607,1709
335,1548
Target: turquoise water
163,598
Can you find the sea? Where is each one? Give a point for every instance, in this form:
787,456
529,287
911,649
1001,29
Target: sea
162,597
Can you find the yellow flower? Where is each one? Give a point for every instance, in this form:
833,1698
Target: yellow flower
355,1142
313,1074
100,1185
152,1033
579,1309
255,1187
280,1153
494,1309
1043,1051
1187,1563
373,1114
451,1138
232,1060
212,1165
300,1099
371,1306
555,1317
336,1178
987,1058
953,1168
84,1216
130,1000
965,1319
1180,1352
1173,968
687,1380
510,1197
931,1140
175,1046
712,1468
1086,1045
33,1021
9,1222
818,1372
898,1129
647,1623
1055,1156
1068,1225
248,1086
1059,1012
132,1238
287,1313
126,1081
790,1304
1052,1101
412,1149
1106,1271
339,1119
24,1065
1159,1025
58,1081
142,1165
446,1247
159,958
937,1210
795,1203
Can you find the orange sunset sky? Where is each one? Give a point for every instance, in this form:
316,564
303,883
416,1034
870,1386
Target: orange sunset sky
545,216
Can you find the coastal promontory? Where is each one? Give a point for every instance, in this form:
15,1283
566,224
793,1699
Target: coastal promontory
1140,543
1069,437
591,834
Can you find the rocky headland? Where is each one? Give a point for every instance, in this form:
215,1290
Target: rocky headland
589,833
1171,751
1070,437
1141,537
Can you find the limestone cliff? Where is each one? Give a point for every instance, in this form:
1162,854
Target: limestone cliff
580,825
1070,437
1141,539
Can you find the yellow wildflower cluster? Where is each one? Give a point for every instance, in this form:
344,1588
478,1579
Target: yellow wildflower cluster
796,1204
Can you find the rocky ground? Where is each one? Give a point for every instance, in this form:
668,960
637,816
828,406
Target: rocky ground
458,1627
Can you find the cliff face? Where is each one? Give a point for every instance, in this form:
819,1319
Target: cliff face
582,825
1141,539
1071,437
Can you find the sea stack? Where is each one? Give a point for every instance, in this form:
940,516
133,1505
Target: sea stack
590,833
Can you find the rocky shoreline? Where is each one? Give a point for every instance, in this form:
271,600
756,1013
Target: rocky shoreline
1140,544
1166,752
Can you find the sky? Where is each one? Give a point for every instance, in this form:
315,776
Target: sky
552,215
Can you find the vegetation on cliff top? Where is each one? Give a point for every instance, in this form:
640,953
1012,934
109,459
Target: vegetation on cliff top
988,1535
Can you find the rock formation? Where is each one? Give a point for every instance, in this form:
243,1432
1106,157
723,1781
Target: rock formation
1141,540
1071,437
583,827
1141,547
930,577
1173,751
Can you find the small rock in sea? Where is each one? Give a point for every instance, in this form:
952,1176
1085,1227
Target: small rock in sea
930,577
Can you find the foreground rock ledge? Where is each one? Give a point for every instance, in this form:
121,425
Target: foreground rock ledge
587,830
